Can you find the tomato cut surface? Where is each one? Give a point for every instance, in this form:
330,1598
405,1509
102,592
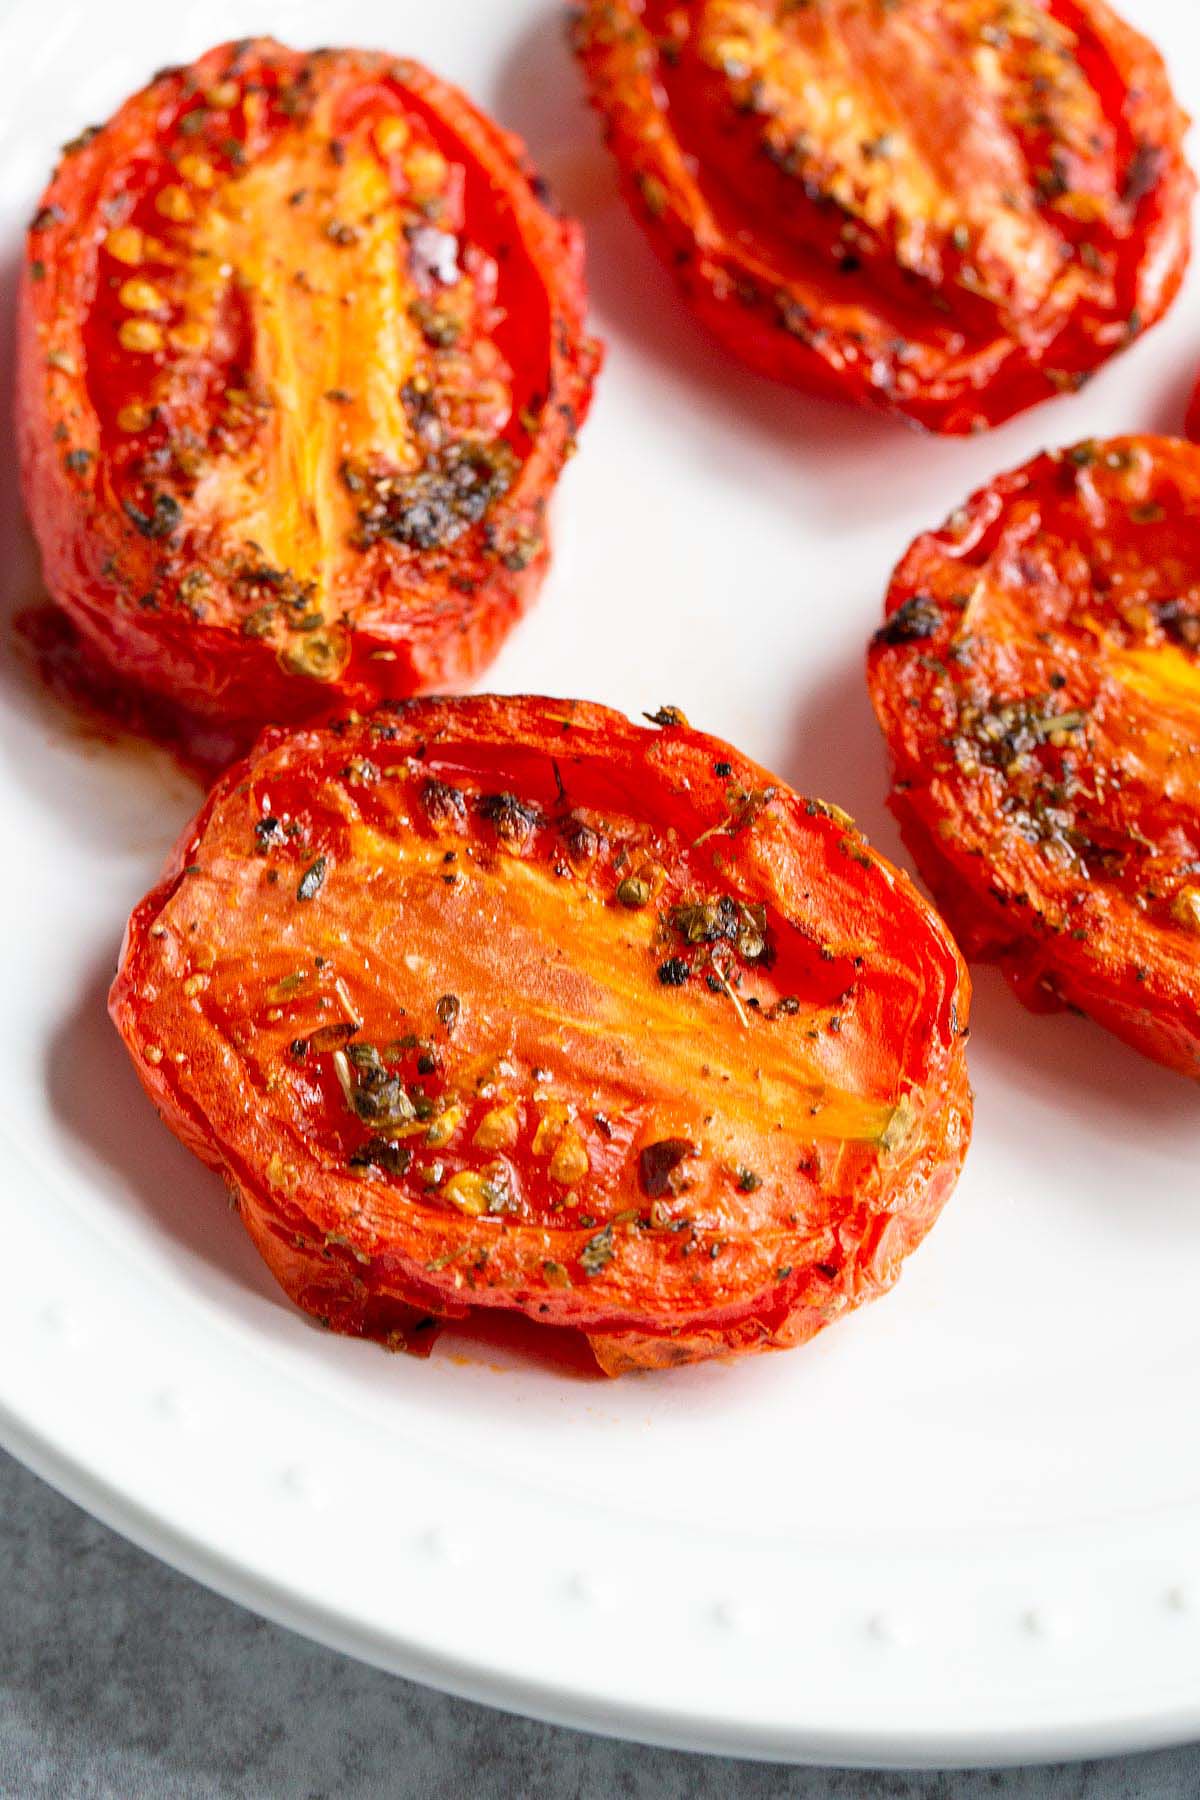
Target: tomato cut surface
509,1003
302,353
946,208
1038,683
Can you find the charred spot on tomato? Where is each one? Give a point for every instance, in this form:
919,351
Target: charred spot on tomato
584,842
916,619
387,1156
674,972
660,1166
513,820
445,805
162,520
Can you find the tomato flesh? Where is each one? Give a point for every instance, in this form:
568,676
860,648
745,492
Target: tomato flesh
302,354
947,209
1038,683
511,1004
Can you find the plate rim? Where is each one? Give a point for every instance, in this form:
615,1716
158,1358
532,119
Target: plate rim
42,1440
562,1706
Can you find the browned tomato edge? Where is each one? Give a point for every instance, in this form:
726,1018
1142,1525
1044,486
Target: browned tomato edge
402,1307
1045,980
742,305
212,671
1047,970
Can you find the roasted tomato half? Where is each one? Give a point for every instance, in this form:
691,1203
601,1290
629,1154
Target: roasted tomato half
302,353
946,208
509,1003
1038,683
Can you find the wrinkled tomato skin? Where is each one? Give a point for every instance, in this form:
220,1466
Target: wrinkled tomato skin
517,897
400,621
1037,680
924,349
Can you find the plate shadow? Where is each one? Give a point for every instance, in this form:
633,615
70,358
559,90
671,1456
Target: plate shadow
837,754
102,1109
100,1105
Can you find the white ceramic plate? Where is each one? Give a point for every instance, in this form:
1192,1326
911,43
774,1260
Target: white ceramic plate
962,1526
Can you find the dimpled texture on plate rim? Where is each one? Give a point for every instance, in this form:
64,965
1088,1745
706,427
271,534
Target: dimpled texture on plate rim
963,1525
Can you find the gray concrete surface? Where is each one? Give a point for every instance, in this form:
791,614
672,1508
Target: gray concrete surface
120,1680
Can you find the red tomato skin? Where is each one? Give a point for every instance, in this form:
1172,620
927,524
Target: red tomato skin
383,1290
1192,423
1157,1019
96,565
1133,974
738,298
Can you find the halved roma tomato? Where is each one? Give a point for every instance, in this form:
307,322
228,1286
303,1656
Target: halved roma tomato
1038,683
302,352
946,208
509,1003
